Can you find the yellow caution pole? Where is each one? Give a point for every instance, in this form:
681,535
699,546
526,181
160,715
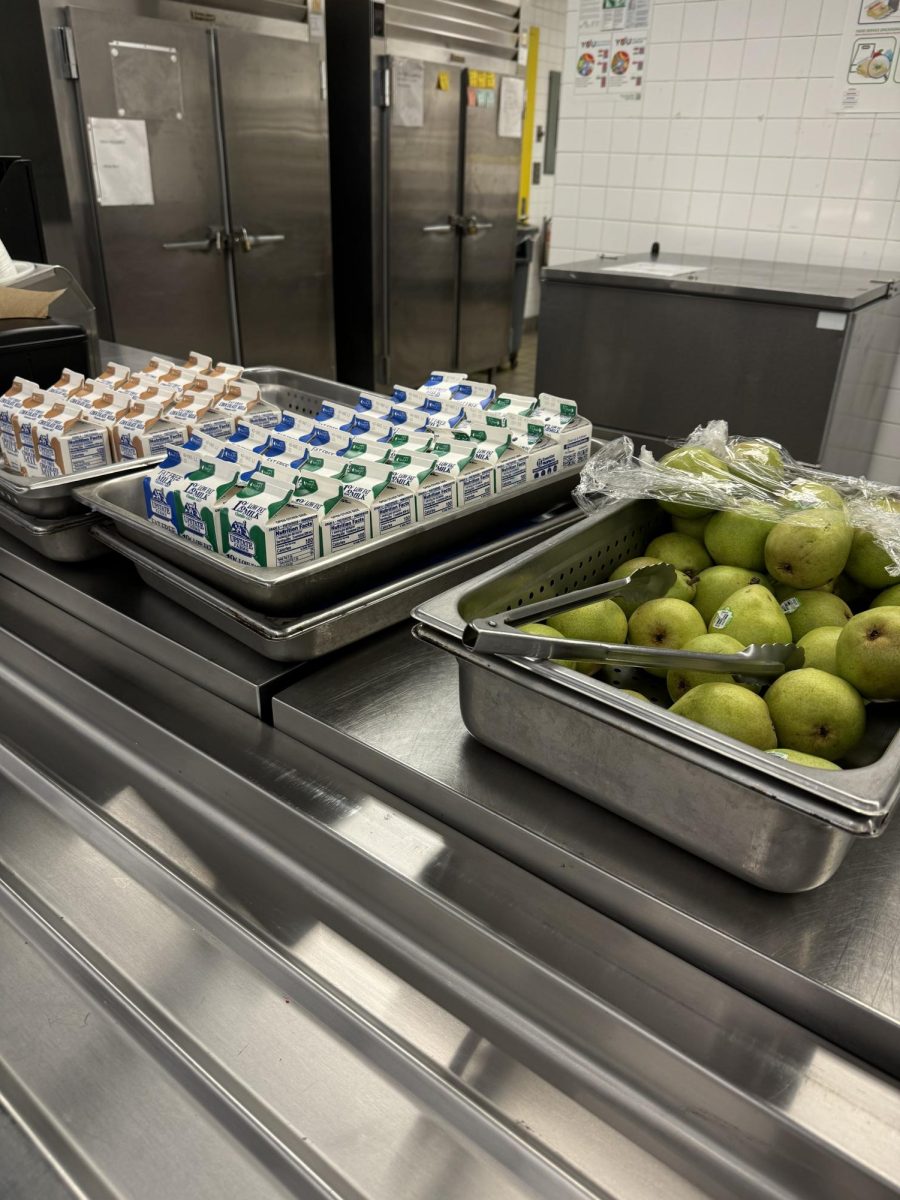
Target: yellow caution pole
534,37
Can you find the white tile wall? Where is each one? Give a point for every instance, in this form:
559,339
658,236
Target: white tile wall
732,151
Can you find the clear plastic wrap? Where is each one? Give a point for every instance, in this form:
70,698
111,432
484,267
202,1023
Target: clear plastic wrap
753,475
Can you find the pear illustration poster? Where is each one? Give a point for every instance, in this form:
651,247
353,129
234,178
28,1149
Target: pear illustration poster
867,68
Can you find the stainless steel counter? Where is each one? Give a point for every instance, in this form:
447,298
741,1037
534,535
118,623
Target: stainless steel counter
232,967
828,958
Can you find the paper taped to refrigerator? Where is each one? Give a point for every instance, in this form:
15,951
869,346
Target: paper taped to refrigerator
120,158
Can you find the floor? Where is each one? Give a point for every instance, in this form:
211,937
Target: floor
518,379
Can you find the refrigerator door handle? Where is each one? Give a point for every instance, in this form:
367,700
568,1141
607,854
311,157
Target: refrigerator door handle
214,241
448,227
246,241
472,225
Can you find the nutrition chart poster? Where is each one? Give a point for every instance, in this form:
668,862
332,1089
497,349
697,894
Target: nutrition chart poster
867,79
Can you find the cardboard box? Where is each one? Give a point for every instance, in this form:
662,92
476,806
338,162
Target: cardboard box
341,521
66,444
261,526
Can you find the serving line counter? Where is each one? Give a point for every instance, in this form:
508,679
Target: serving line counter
287,930
234,967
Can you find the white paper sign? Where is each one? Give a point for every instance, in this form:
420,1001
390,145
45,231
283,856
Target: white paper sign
511,107
120,158
867,78
658,269
409,93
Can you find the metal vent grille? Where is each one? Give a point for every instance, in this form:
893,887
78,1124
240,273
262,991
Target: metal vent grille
482,26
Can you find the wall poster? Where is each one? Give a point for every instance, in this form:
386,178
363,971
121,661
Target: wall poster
611,48
868,68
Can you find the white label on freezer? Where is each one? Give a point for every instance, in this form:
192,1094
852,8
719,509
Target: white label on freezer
511,108
409,93
831,320
120,158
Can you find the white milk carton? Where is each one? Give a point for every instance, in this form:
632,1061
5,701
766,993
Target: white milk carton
193,410
391,507
24,418
508,403
453,454
342,522
68,383
199,498
67,444
475,483
242,402
440,384
474,395
156,368
116,375
107,407
18,394
143,432
555,413
152,392
419,443
279,454
160,491
435,495
407,396
197,362
178,378
261,526
357,425
573,442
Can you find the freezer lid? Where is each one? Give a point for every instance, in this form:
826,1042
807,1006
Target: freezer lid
747,279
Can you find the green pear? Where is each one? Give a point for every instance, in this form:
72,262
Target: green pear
731,710
664,624
634,694
804,760
601,621
868,653
738,540
716,584
816,713
819,648
682,589
809,548
890,597
539,630
812,610
682,679
692,461
692,526
851,592
751,614
756,460
683,552
806,493
869,562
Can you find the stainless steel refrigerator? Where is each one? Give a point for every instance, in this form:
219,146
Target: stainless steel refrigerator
193,150
425,197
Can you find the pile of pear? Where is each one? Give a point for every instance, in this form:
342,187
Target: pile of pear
796,572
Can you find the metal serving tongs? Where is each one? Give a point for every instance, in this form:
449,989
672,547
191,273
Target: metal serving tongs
499,635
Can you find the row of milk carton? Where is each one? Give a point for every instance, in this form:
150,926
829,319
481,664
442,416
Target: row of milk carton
309,487
80,424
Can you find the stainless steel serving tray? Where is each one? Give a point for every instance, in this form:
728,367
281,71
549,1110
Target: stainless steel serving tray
64,539
316,585
300,639
779,825
56,497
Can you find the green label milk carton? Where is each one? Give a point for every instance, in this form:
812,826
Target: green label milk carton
261,526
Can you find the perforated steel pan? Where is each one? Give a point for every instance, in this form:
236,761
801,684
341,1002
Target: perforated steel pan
770,821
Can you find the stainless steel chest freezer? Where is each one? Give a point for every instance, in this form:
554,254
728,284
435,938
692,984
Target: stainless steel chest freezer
654,347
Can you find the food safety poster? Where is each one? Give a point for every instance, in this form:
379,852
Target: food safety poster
868,70
611,48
